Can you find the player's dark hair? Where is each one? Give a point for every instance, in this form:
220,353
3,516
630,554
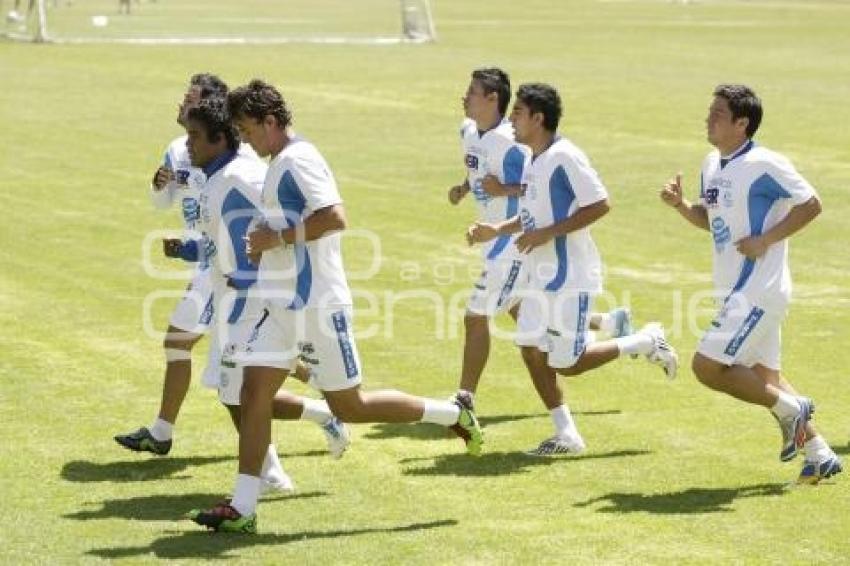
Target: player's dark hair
743,103
542,99
209,84
257,100
494,79
212,114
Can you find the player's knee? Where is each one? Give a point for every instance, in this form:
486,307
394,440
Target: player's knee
706,370
476,324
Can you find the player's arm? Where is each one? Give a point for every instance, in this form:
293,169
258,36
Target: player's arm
694,213
321,223
513,163
480,232
582,218
798,218
457,192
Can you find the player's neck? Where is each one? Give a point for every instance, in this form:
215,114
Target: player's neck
727,149
541,142
280,140
488,123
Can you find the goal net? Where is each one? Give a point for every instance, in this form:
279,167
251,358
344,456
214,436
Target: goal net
219,22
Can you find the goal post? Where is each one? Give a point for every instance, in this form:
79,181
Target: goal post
223,22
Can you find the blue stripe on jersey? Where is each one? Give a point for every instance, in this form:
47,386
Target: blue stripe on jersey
512,166
345,346
508,287
166,160
503,241
746,328
293,203
238,308
207,314
561,195
236,213
291,199
763,193
581,323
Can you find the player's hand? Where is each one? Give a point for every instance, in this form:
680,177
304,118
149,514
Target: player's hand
492,186
262,239
171,247
752,246
480,232
671,194
162,177
456,193
532,239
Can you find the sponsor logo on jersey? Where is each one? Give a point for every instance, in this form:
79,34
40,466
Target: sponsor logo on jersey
721,233
181,176
526,220
191,210
471,161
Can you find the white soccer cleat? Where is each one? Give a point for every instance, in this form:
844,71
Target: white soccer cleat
558,445
662,354
336,433
278,483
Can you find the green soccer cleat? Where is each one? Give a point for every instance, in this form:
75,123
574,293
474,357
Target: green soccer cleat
467,426
224,518
143,441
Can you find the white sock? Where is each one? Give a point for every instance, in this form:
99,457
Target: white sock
443,413
606,323
161,430
316,411
271,465
246,494
817,450
638,343
565,427
786,406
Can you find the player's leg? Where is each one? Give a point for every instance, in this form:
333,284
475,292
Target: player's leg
723,362
476,350
338,373
274,477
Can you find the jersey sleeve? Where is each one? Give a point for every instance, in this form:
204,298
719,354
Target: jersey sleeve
513,165
585,181
239,209
315,182
164,198
797,189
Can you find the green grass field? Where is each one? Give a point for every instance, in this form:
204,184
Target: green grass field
674,472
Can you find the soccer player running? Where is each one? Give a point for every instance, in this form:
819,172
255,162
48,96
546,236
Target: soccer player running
494,164
308,310
562,197
752,200
178,180
229,202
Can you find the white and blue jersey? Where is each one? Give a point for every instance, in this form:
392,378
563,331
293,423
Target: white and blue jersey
494,152
229,204
308,274
746,194
556,184
185,187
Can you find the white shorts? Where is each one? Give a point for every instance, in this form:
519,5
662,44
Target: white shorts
557,323
322,338
195,311
744,333
496,290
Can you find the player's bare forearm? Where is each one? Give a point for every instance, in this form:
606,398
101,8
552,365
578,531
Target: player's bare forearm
583,217
798,218
322,222
696,214
509,226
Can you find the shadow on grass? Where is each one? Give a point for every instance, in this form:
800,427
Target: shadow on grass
155,468
200,544
693,500
502,463
163,507
841,450
427,431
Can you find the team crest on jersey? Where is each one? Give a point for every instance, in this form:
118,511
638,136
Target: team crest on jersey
526,220
471,161
712,193
727,199
191,209
181,176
